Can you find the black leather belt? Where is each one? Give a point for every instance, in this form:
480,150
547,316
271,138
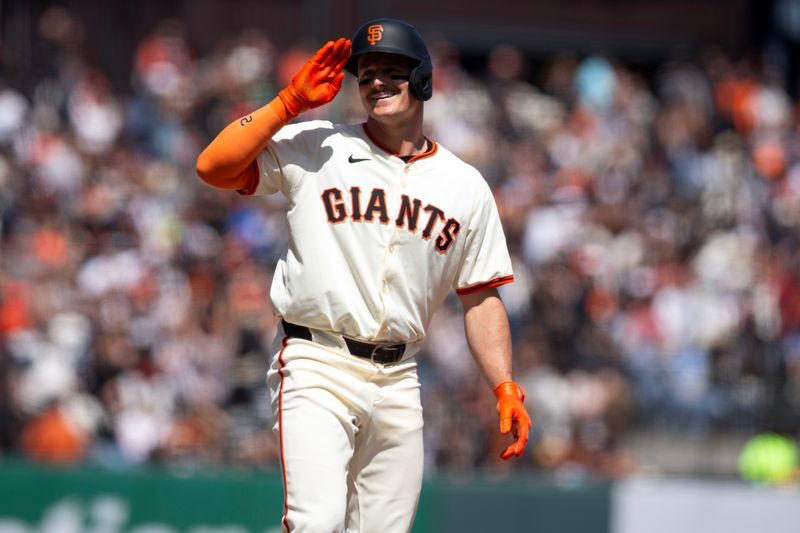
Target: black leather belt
377,353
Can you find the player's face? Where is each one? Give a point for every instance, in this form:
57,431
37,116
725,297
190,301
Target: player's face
383,86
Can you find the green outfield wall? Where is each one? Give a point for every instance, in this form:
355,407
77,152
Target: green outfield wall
40,499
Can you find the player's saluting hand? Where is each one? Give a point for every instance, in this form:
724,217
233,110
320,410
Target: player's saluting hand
319,80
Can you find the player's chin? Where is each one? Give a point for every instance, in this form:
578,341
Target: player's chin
384,112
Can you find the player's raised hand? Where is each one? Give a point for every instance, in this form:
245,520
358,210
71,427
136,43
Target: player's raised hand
319,80
513,416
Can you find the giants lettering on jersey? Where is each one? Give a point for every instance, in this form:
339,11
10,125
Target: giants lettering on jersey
371,207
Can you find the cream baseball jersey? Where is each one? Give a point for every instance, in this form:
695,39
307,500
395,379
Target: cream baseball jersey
376,243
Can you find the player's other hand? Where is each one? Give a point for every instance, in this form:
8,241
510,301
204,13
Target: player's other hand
513,416
319,80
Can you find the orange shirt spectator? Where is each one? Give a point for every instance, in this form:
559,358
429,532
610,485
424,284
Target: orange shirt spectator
50,437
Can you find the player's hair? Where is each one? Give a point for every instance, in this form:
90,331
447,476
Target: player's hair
394,36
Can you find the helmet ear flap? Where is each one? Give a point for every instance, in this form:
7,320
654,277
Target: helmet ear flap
420,81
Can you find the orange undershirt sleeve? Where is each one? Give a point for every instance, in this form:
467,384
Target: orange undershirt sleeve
226,162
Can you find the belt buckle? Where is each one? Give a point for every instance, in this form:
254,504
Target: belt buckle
372,354
383,348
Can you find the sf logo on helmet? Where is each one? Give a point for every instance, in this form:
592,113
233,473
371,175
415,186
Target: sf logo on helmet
374,33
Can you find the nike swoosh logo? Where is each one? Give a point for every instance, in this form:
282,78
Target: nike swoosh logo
352,159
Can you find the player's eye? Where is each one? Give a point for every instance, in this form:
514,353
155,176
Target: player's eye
368,78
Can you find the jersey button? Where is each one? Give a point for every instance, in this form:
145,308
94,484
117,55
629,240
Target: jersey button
392,248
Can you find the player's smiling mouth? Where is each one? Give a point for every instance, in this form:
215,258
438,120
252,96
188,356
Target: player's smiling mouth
383,95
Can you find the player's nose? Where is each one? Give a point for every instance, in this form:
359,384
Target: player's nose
379,80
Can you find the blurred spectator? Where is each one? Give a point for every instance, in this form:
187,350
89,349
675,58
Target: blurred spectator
51,437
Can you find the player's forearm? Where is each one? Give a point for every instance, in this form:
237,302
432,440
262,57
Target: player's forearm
225,159
488,335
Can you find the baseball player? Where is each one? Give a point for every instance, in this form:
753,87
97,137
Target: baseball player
383,224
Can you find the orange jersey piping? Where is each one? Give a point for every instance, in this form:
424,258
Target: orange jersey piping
280,432
430,152
496,282
252,177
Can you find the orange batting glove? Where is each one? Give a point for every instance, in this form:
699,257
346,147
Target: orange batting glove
511,409
319,80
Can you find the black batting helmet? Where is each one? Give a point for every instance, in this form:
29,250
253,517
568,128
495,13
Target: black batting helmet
395,37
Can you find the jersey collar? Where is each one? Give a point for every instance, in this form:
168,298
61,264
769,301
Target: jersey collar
434,147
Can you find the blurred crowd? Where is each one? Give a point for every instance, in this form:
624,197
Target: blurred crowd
653,219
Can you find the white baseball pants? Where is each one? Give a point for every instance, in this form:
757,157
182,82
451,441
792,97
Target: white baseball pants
350,436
